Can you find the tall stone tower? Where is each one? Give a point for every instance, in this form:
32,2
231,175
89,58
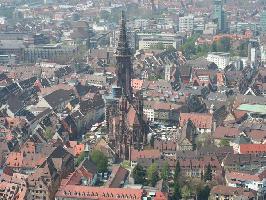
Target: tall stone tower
123,61
125,122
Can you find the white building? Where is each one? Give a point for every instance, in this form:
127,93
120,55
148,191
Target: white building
210,29
263,53
2,20
186,23
149,113
221,59
147,40
254,57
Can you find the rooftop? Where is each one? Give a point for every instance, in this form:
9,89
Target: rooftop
253,108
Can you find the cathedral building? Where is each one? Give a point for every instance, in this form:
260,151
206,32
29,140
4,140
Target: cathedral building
127,128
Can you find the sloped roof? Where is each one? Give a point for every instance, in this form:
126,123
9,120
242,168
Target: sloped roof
200,120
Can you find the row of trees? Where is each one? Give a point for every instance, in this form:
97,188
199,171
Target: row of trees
191,50
152,175
182,187
186,188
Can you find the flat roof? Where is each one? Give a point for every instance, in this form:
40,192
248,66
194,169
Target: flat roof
254,108
219,53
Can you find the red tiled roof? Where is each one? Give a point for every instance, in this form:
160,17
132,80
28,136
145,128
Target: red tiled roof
227,190
241,176
160,196
28,147
14,159
152,153
76,148
136,84
222,132
99,193
28,160
118,176
200,120
257,135
252,148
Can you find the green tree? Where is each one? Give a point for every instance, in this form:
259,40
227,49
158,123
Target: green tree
196,185
224,143
208,173
222,45
186,192
48,133
165,171
204,193
177,171
152,174
177,191
105,15
139,174
80,158
189,48
100,161
152,141
243,49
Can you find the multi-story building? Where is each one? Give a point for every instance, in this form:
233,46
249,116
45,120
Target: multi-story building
219,14
161,111
48,52
148,40
202,121
221,59
131,36
221,192
12,47
186,23
8,59
210,28
263,21
252,181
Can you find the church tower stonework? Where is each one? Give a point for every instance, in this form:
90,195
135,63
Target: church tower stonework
125,121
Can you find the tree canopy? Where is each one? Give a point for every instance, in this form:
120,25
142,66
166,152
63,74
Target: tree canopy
208,173
139,174
165,171
186,192
177,170
80,158
100,161
152,174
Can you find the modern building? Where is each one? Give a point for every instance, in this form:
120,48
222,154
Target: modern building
221,59
8,59
219,15
50,52
254,53
186,23
263,21
131,36
148,40
210,29
15,47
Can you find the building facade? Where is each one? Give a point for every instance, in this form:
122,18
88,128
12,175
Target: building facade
186,23
221,59
219,14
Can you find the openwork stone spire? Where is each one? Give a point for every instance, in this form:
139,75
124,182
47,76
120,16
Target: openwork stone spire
123,61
